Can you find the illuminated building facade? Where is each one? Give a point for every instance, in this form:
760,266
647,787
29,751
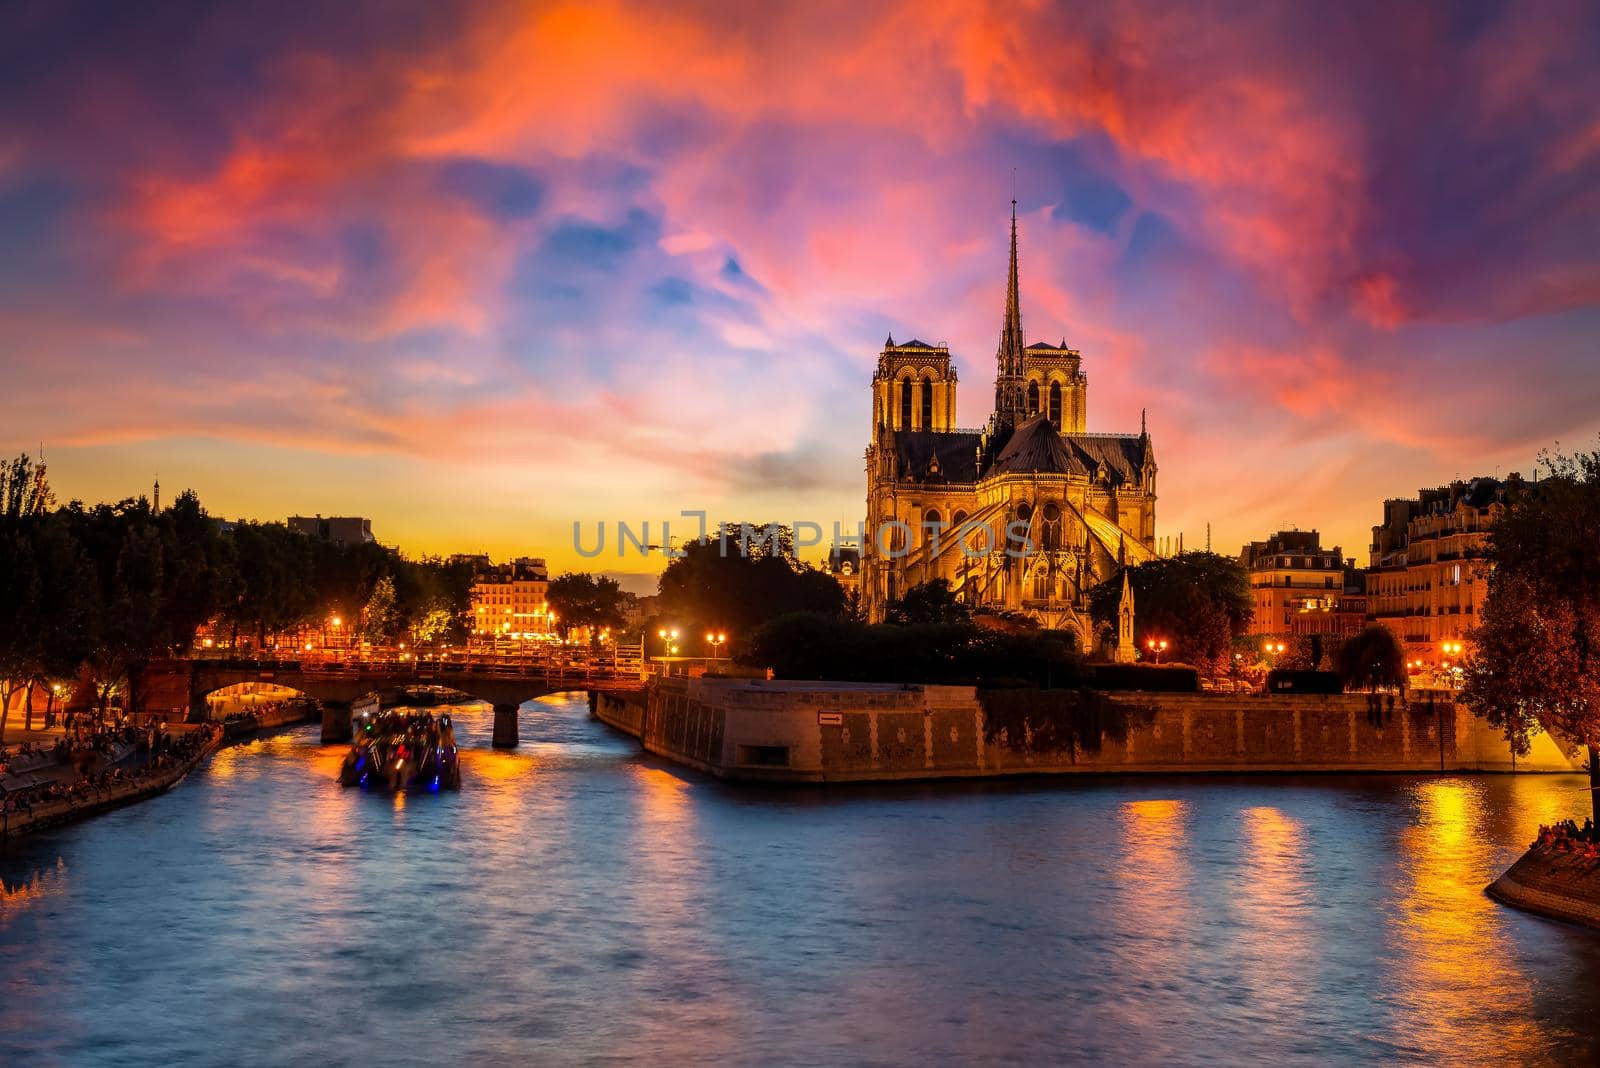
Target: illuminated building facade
509,600
1293,576
1426,578
1069,505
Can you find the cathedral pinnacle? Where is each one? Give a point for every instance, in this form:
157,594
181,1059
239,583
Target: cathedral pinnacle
1009,408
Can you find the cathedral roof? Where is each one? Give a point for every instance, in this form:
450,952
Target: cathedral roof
1036,447
956,452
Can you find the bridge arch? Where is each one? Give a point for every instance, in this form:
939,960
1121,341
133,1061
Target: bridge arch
185,684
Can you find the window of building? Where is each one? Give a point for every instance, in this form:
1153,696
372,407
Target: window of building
932,525
1033,398
905,403
1055,403
1051,527
927,402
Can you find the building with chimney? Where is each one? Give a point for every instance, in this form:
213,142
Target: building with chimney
340,529
509,601
1023,514
1427,578
1293,576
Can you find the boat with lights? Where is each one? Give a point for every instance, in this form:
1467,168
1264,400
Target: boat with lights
407,750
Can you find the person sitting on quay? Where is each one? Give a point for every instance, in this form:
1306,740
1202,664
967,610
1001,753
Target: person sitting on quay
1568,837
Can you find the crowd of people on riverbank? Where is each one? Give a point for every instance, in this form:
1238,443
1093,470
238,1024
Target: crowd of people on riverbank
164,751
263,711
1568,837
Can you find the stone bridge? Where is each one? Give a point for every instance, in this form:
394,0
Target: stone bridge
181,686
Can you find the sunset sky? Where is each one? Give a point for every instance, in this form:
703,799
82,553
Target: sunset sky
480,270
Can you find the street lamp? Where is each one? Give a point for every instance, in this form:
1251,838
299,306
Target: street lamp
716,640
1157,646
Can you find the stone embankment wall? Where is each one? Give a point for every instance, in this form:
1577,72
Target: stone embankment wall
55,813
1559,885
819,731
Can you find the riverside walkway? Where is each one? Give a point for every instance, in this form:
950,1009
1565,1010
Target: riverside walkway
50,802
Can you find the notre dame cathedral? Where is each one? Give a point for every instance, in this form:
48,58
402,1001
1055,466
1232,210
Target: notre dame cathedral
948,503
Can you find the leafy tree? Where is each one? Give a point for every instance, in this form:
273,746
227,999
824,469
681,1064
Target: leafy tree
814,645
580,599
434,624
929,602
733,584
379,618
1197,601
1536,662
1372,659
24,496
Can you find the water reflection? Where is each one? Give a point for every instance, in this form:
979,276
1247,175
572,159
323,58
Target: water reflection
1457,986
578,900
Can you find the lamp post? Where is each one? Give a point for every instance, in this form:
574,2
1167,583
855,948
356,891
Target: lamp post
1157,646
716,640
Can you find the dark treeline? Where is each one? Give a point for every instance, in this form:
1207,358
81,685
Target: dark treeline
93,593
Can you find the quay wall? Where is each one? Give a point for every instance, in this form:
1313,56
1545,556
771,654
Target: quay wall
56,813
761,730
1560,886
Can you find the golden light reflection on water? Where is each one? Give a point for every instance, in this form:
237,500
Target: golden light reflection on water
1458,977
28,891
1154,873
1272,895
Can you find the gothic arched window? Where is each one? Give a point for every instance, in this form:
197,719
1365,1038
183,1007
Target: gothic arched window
1033,398
1050,532
932,525
1055,404
927,403
905,403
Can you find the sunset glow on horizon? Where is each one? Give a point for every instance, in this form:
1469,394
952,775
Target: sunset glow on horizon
480,271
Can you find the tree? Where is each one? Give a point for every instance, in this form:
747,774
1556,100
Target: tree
1536,658
580,599
1372,659
380,617
24,496
929,602
733,583
1197,601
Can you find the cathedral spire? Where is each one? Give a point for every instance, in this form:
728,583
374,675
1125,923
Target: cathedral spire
1011,336
1009,407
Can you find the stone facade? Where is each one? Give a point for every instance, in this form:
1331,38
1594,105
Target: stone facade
1070,505
1427,578
1293,576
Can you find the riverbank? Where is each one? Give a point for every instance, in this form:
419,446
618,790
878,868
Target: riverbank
267,718
774,731
95,799
1558,884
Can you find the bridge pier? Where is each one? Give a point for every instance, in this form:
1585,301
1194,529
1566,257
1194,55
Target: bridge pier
335,722
505,726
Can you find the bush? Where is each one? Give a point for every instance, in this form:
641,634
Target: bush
1147,677
814,646
1283,680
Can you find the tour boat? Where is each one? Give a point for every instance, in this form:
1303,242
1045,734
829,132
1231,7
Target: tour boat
402,751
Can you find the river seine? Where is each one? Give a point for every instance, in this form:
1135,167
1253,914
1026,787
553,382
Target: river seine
580,901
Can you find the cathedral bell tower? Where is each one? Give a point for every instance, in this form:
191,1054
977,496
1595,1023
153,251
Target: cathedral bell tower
914,388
